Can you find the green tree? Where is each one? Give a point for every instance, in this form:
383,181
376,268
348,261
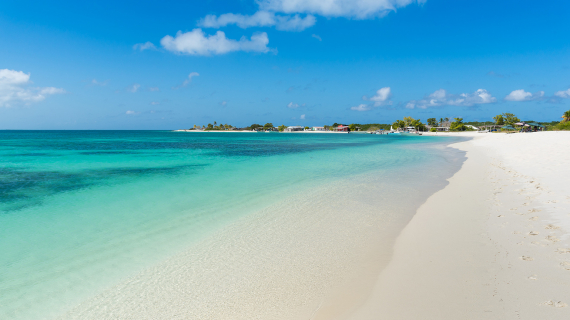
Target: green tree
566,116
457,125
418,125
352,126
281,128
440,122
499,120
210,126
432,122
408,121
399,124
510,119
306,128
268,125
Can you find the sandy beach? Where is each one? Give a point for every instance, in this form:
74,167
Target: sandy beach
491,244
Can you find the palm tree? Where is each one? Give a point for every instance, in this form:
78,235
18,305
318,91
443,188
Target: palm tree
440,122
566,116
446,119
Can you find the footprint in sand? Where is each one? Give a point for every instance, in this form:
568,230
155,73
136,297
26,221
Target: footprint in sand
516,232
552,238
565,265
563,250
525,258
533,277
533,219
556,304
551,226
533,233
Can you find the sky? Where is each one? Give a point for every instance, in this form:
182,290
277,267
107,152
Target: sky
173,64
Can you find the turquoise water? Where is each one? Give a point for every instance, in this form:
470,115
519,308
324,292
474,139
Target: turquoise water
81,210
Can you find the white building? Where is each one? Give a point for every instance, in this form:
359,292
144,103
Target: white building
318,129
294,128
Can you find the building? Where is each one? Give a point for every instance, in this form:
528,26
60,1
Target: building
443,126
342,128
294,128
319,129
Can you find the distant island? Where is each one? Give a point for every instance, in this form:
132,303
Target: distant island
501,122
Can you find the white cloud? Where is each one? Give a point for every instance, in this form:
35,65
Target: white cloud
13,89
154,103
316,37
130,112
361,107
441,98
153,89
144,46
521,95
134,88
359,9
563,94
302,117
223,103
189,80
381,97
292,105
259,19
195,42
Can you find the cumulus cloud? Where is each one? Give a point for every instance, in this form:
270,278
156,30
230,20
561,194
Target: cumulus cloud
521,95
381,97
144,46
14,89
442,98
259,19
196,42
292,105
359,9
564,94
361,107
134,88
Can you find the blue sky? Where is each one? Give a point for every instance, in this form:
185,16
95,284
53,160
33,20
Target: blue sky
172,64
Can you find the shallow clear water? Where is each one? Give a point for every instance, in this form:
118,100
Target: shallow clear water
80,210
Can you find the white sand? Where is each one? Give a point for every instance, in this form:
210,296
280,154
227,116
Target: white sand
494,244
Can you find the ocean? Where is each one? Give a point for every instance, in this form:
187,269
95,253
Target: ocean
81,211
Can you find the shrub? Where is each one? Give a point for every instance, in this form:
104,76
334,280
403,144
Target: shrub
433,130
